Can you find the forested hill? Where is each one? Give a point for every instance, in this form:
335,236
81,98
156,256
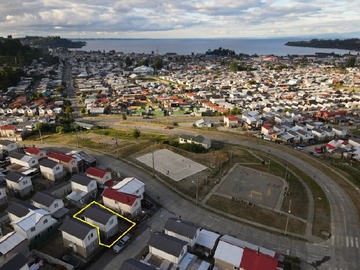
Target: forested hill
352,44
51,42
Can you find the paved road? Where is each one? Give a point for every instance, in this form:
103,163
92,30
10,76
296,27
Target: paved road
343,246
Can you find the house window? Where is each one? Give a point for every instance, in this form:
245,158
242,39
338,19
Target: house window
92,245
32,229
57,168
56,205
45,221
25,182
111,221
90,236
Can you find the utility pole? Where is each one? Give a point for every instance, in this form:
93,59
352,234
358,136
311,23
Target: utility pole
287,219
153,162
41,140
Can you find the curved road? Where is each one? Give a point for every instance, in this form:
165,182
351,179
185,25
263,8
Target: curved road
343,247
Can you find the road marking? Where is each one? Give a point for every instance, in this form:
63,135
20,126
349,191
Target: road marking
351,241
356,242
347,241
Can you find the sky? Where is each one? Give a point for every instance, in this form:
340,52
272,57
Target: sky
179,18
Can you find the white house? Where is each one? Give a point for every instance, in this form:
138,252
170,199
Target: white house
167,247
51,170
340,131
124,203
23,160
206,242
35,152
3,196
103,218
29,221
199,140
231,121
79,236
101,176
49,202
69,163
182,230
8,145
143,70
19,183
131,185
83,188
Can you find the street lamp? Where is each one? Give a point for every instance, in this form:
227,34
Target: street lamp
287,219
197,189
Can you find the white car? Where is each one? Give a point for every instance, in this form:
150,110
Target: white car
122,243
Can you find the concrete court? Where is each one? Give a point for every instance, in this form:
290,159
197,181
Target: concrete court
171,164
252,185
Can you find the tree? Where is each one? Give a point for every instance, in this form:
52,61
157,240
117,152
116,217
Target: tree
351,62
83,110
136,133
128,61
59,129
157,63
234,66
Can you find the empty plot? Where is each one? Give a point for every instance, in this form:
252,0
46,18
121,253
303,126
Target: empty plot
171,164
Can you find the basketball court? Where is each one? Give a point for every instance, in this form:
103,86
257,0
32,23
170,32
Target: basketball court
253,186
171,164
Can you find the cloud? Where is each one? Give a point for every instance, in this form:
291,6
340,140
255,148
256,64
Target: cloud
170,18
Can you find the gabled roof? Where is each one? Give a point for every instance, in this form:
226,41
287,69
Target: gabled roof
20,209
97,213
14,176
33,150
44,198
76,228
16,262
8,127
229,253
60,157
48,163
253,260
9,241
129,185
97,172
181,227
167,243
16,155
124,198
133,264
81,179
6,142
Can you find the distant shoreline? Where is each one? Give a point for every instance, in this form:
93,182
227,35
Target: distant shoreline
344,44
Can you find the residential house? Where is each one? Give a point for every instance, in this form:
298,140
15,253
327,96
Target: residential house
228,255
12,243
124,203
79,236
101,176
167,247
23,160
19,183
83,189
131,185
30,221
305,136
182,230
70,164
206,242
340,132
201,123
84,160
49,202
266,130
133,264
8,145
17,262
35,152
199,140
253,260
51,170
231,121
9,132
102,218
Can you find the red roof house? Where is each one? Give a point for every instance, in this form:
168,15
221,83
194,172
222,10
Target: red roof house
69,163
100,175
123,203
254,260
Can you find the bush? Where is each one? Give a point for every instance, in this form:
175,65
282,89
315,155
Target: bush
136,133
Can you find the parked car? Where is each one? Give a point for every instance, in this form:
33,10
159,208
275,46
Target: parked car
122,243
72,261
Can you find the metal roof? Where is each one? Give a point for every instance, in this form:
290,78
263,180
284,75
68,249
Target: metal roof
14,176
133,264
129,185
10,241
48,163
181,227
229,253
44,198
207,238
167,243
97,213
16,262
20,209
81,179
76,228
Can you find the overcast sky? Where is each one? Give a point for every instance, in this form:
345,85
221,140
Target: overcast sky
178,18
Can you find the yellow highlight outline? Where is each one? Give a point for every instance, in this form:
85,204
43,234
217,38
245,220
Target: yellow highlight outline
97,227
